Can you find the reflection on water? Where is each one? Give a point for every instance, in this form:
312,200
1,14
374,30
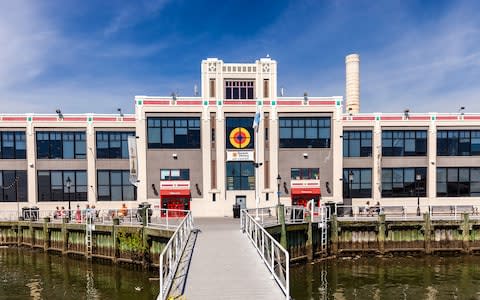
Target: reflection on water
27,274
388,278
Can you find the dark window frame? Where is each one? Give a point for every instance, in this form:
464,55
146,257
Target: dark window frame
189,126
109,151
241,89
78,192
56,144
17,138
304,173
402,188
458,187
184,174
458,142
244,180
404,137
360,186
125,183
362,137
290,127
8,190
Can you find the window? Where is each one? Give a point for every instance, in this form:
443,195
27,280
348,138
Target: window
361,185
458,182
240,175
458,142
239,89
175,174
114,185
8,190
178,133
239,133
266,88
400,182
212,87
404,143
305,173
113,144
61,145
357,143
52,186
305,132
12,145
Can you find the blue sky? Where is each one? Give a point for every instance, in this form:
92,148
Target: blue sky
95,56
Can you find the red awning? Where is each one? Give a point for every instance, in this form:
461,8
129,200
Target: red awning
174,192
305,191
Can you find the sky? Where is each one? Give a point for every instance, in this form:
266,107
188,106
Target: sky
85,56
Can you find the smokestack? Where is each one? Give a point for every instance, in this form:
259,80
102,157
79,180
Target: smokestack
352,83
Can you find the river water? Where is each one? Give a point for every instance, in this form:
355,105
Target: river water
429,277
29,274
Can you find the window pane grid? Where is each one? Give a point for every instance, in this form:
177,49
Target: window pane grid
458,142
52,185
240,176
361,185
458,182
404,143
357,143
114,185
12,145
304,132
112,144
180,133
9,191
61,145
401,182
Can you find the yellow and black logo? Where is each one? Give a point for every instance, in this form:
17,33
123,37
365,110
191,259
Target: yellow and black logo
239,138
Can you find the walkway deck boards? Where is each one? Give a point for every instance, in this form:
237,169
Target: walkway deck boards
225,265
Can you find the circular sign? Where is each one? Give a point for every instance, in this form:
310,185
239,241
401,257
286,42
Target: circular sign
239,137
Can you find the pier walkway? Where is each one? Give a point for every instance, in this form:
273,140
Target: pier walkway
225,265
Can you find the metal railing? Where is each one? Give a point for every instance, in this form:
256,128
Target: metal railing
171,254
405,212
275,257
164,218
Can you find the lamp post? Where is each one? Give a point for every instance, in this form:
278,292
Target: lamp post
279,179
16,193
350,182
69,185
418,177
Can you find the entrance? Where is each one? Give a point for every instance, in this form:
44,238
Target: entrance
302,200
175,203
242,201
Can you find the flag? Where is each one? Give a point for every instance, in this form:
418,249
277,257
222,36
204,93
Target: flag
256,121
133,160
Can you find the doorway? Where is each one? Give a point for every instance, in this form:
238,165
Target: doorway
242,201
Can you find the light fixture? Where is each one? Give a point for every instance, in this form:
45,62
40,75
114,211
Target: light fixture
174,96
120,112
406,113
305,155
305,98
461,110
198,189
174,155
155,192
59,113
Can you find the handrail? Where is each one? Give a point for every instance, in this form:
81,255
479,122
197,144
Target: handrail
275,257
171,254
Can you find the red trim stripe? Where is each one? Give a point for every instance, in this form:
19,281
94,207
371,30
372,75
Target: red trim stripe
321,102
77,119
440,118
363,118
189,102
156,102
267,102
419,118
212,102
14,119
104,119
129,119
289,102
386,118
43,119
471,117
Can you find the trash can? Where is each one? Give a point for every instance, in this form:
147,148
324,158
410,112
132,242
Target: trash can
236,211
144,209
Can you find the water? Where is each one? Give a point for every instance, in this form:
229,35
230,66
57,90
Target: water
429,277
29,274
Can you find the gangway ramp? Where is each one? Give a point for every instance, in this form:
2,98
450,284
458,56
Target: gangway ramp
225,265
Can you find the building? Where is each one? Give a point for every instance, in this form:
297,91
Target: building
203,153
